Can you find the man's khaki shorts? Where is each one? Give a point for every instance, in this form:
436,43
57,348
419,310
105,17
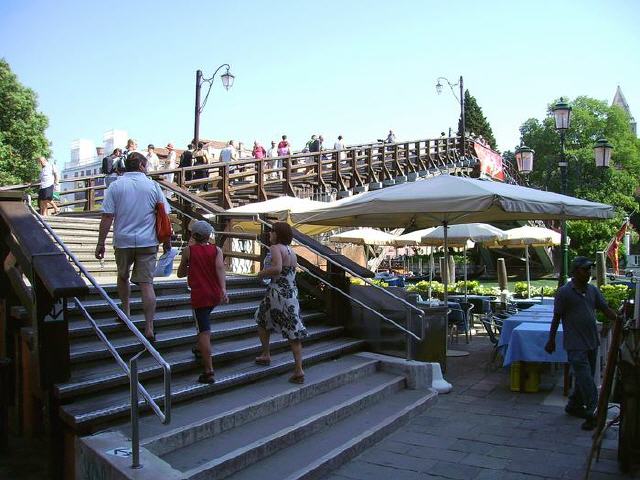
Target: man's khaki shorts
143,261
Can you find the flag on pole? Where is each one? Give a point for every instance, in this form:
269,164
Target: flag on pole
614,245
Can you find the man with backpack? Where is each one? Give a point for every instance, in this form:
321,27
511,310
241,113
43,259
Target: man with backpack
110,165
186,160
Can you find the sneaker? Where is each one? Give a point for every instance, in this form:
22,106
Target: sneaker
589,424
576,411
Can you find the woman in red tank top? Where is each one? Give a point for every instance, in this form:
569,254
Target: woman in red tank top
202,264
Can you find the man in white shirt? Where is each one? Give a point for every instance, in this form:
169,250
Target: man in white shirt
131,203
153,162
49,180
273,153
339,145
228,153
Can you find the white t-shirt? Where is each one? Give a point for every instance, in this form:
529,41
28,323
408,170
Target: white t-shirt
171,160
227,154
47,176
153,162
272,152
132,201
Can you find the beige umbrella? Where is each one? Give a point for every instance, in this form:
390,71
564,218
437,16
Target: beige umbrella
530,236
447,200
365,236
462,234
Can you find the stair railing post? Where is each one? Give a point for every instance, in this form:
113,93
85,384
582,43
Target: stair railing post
135,427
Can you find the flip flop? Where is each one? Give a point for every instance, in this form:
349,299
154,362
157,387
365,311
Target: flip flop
207,378
265,362
297,379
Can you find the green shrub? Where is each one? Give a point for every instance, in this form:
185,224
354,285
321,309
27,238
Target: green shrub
359,281
615,295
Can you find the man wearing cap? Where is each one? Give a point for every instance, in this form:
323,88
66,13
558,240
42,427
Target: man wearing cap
575,305
153,162
171,162
131,204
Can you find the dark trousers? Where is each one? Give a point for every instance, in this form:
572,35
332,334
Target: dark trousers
585,392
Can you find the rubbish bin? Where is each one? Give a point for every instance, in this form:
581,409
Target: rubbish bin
5,366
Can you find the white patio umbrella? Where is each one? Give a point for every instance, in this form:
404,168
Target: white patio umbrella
530,236
279,207
462,234
365,236
447,200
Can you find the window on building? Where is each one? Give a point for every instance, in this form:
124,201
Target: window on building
75,174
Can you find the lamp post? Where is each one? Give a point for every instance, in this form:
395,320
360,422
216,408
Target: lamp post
460,100
227,83
602,156
562,115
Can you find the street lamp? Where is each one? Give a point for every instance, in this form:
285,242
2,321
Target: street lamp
460,100
602,151
227,82
524,159
562,115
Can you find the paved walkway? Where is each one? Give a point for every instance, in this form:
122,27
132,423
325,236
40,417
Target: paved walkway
482,430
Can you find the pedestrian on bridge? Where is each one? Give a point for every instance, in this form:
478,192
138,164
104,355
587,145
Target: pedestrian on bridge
130,204
280,309
203,265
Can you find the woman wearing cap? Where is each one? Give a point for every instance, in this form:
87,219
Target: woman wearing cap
280,310
202,264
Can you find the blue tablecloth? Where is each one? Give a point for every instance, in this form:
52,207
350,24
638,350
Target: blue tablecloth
512,322
527,345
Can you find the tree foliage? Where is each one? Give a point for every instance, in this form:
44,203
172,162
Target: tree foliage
617,186
475,121
22,138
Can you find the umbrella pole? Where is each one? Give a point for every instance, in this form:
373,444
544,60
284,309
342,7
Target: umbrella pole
445,278
431,267
526,256
465,273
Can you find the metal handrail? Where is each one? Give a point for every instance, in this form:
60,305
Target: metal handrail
419,312
165,417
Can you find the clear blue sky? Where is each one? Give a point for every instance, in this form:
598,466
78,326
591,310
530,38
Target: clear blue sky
356,68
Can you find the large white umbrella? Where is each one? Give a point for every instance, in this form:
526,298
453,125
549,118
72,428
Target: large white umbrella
462,234
530,236
279,207
365,236
447,200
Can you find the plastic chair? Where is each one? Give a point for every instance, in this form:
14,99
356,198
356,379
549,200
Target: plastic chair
459,318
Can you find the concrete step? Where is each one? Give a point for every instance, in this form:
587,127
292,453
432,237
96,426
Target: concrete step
87,349
93,376
93,412
318,455
230,451
107,322
171,300
206,417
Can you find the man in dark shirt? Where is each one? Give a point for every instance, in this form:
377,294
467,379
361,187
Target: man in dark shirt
186,160
575,305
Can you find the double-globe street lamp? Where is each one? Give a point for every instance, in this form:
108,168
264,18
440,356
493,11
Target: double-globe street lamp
524,159
227,82
460,100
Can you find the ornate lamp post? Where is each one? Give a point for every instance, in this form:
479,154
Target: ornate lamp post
460,100
227,83
524,159
562,114
602,155
602,150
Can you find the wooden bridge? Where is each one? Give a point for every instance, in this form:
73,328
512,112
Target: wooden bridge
325,175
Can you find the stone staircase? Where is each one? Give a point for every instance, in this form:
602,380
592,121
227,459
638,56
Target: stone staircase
251,423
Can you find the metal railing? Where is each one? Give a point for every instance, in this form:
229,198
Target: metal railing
408,305
132,369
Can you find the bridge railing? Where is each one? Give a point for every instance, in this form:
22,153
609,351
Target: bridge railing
249,179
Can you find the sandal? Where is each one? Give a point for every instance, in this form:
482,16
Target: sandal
151,340
207,378
297,379
265,362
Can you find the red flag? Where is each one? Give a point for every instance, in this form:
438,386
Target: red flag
614,244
